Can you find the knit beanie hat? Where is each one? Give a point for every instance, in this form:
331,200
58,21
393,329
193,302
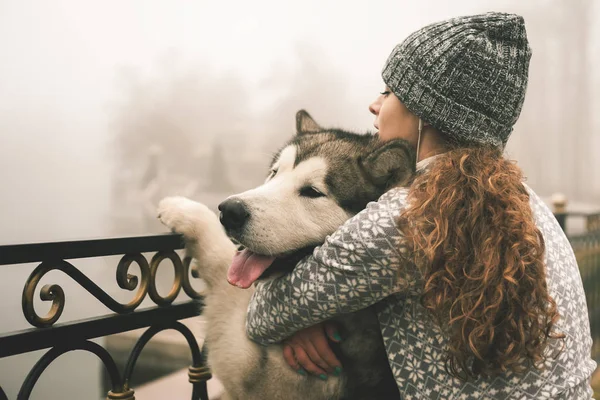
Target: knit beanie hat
465,76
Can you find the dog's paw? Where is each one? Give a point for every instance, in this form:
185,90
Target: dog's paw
183,215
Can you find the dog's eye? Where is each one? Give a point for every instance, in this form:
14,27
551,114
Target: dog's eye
309,191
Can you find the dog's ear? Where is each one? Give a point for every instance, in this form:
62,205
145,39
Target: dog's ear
306,124
390,164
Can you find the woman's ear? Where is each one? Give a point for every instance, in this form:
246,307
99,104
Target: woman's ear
306,124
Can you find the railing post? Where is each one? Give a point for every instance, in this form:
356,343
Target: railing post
559,204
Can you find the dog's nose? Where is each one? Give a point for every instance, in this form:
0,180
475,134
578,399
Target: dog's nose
234,214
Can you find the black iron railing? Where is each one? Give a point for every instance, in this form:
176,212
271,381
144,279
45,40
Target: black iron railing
586,246
60,338
587,250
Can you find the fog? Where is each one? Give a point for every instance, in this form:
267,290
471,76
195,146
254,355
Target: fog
107,106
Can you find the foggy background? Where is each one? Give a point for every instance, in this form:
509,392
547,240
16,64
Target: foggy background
106,107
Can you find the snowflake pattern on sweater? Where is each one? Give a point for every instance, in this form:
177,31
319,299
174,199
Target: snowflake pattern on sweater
358,266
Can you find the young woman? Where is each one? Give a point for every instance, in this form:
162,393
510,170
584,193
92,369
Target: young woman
474,283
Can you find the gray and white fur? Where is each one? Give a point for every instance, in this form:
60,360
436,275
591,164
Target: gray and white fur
318,180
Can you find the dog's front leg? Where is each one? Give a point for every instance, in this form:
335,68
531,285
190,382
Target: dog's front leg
205,238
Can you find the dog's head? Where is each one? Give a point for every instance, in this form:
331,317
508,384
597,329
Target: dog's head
318,180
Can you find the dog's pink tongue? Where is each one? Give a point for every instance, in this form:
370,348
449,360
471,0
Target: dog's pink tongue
247,267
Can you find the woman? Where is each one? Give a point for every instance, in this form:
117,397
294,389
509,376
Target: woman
475,285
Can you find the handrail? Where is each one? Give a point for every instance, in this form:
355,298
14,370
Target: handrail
69,250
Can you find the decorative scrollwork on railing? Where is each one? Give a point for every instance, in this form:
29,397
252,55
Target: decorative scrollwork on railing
145,284
119,392
178,269
198,372
187,287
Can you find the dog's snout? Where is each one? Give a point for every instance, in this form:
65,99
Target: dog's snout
234,214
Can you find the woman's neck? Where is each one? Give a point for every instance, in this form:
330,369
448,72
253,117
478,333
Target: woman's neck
433,143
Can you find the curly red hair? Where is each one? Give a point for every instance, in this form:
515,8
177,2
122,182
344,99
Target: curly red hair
472,232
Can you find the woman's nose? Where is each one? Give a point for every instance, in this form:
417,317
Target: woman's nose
374,108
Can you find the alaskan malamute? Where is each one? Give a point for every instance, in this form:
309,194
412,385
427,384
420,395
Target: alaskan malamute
318,180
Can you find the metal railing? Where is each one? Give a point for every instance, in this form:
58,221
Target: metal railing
587,251
60,338
586,246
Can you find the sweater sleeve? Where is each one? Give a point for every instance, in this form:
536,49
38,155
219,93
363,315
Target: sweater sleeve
357,266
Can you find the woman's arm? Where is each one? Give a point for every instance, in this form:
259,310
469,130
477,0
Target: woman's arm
357,266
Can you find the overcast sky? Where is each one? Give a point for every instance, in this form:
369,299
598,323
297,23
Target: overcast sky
60,61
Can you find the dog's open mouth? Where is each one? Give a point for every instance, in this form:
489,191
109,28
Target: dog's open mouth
247,267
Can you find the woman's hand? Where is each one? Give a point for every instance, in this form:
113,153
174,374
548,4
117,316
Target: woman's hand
309,350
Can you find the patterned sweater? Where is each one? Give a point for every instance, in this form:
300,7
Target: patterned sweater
358,266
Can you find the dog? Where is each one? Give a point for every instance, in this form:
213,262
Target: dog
317,181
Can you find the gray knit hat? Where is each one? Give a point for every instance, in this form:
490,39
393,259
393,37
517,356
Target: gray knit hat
466,76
